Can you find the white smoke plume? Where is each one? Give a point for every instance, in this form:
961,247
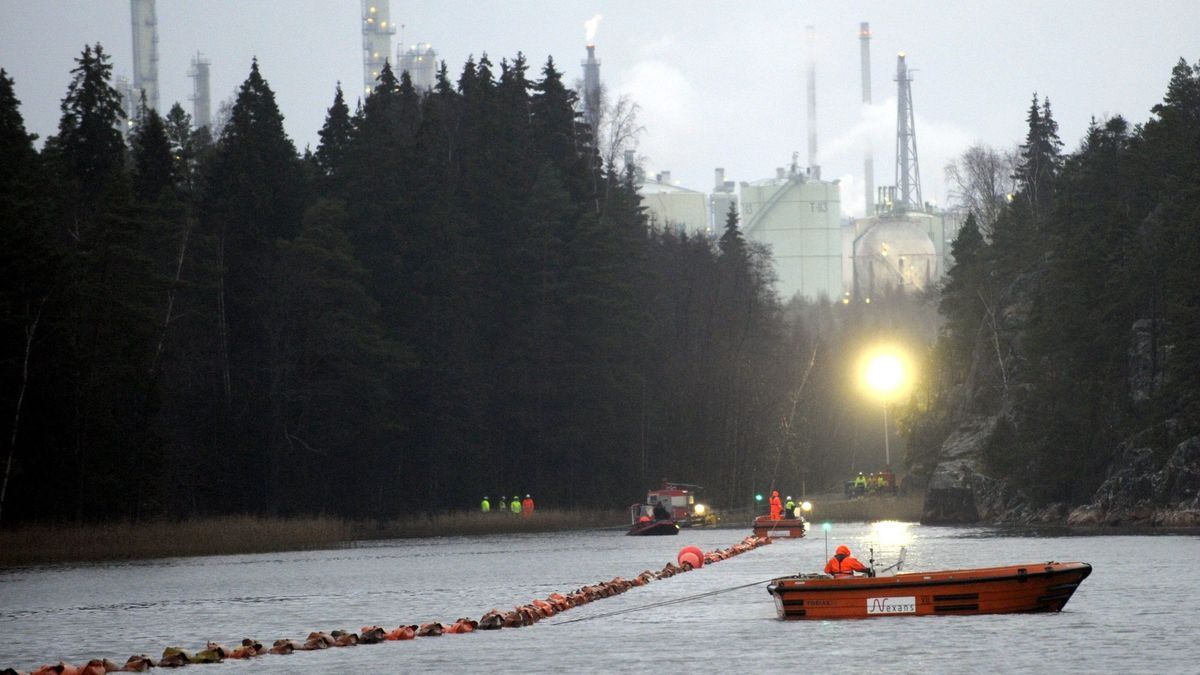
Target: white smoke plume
590,26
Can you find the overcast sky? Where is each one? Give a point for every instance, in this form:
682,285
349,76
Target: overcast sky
720,84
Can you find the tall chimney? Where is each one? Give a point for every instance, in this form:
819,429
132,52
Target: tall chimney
864,36
145,52
591,89
812,103
201,95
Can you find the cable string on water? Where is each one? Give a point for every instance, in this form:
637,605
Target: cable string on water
664,603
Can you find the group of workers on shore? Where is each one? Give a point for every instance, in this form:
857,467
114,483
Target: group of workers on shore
516,507
880,483
783,509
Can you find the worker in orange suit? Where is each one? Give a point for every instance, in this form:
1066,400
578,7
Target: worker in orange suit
527,506
776,505
842,564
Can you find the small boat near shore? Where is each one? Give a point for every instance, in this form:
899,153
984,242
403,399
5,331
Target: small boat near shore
653,528
1032,587
793,528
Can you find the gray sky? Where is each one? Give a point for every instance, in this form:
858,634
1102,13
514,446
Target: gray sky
720,84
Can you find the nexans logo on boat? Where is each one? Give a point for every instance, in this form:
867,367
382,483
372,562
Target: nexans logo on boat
901,605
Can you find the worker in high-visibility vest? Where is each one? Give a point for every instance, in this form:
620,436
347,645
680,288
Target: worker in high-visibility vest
789,506
527,506
860,484
485,505
515,505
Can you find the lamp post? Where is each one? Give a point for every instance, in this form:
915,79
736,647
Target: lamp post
885,376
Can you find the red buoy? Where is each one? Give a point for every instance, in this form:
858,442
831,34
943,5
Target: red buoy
692,556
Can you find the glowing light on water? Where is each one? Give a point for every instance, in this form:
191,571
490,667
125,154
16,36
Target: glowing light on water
890,534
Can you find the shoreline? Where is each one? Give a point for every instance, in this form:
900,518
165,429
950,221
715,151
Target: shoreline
40,544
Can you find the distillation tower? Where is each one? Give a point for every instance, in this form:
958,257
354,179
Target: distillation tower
377,32
201,96
145,53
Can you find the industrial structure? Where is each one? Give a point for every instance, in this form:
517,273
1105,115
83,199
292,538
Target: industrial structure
420,62
864,38
902,243
814,167
908,169
671,206
799,217
591,89
724,197
201,94
377,32
145,53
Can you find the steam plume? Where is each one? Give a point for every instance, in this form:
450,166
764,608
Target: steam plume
590,26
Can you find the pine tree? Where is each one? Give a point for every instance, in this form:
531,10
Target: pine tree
964,295
89,136
1040,159
335,135
185,146
254,194
154,166
28,264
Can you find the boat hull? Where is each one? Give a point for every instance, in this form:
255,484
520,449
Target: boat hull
793,528
653,528
1033,587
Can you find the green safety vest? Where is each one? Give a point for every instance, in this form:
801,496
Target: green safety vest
515,507
486,506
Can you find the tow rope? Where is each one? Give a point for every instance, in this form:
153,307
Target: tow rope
664,603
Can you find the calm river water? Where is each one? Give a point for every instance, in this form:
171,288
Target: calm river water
1138,612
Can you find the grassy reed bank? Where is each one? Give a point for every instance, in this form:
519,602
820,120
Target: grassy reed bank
868,509
126,540
32,544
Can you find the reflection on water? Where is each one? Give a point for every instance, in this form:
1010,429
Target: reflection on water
1128,616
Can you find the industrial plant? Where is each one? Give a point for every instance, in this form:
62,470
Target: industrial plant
901,243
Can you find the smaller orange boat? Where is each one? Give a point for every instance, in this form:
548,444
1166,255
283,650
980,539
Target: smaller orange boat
1033,587
784,527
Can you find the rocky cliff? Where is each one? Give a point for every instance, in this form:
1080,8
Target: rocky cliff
1143,485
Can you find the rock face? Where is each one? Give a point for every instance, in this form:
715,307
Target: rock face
950,497
1139,490
1144,486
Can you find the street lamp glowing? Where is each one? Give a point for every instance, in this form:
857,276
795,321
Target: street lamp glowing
885,373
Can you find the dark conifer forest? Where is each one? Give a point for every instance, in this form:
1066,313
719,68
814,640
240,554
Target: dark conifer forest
449,297
452,296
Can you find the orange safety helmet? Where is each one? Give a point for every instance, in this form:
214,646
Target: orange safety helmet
843,550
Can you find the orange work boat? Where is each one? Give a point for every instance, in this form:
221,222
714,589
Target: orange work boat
781,527
1034,587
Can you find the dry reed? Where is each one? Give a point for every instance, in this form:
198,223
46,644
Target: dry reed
228,535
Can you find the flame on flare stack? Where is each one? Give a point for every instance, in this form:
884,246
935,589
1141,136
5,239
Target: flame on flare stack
590,27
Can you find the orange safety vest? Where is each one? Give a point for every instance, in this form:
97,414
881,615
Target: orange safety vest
527,506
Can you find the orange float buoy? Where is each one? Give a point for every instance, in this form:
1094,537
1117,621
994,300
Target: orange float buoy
691,555
402,633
